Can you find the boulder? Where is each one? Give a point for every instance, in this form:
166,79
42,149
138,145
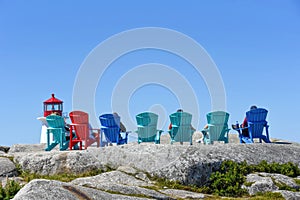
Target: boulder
113,177
263,182
50,190
184,163
7,168
281,180
29,148
58,162
182,194
119,182
260,184
289,195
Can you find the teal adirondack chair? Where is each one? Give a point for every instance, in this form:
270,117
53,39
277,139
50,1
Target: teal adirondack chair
147,127
56,126
217,127
256,119
181,127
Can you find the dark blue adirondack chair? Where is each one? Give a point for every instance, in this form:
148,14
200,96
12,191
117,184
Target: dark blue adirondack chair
217,127
181,127
56,126
256,123
111,128
147,127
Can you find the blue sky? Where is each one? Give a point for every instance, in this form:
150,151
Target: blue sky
255,45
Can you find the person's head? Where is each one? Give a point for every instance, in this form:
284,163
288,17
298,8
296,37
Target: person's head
179,110
253,107
115,113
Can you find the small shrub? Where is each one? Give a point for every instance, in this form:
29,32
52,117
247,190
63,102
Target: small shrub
297,181
283,186
288,169
2,192
227,181
10,190
230,178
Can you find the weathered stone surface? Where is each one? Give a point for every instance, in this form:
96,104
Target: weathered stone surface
23,148
127,170
7,167
56,162
195,165
55,190
119,182
184,163
281,179
260,184
183,194
116,177
289,195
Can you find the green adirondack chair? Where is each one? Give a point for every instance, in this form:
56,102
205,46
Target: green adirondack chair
56,126
217,127
181,130
147,127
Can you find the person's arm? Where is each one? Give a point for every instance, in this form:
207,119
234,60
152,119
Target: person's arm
245,123
170,126
122,127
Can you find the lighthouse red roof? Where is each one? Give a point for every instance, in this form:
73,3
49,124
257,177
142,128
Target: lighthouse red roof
53,100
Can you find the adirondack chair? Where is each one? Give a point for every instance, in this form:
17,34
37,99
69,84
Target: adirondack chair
217,127
256,123
110,126
147,127
81,127
181,127
56,127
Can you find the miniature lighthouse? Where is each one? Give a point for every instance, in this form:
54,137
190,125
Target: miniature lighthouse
52,105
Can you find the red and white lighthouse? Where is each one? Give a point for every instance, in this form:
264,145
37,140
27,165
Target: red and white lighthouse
53,105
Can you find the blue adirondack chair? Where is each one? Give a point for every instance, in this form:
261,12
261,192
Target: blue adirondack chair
181,130
147,127
111,128
217,127
56,126
256,119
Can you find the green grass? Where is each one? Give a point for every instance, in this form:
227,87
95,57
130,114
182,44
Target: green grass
228,180
10,190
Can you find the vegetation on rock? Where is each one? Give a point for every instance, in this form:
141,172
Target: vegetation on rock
10,190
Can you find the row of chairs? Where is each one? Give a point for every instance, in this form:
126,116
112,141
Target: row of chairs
181,130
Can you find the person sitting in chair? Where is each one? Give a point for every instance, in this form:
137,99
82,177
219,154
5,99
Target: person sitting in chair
180,110
245,131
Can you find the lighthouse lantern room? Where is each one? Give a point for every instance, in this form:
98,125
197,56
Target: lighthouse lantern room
53,105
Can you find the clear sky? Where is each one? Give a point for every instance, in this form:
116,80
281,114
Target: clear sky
254,44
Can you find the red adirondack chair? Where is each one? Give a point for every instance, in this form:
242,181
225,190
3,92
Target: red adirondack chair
80,125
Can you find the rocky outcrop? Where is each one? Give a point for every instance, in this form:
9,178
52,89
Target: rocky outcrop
183,163
132,163
7,167
265,182
27,148
58,162
49,190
